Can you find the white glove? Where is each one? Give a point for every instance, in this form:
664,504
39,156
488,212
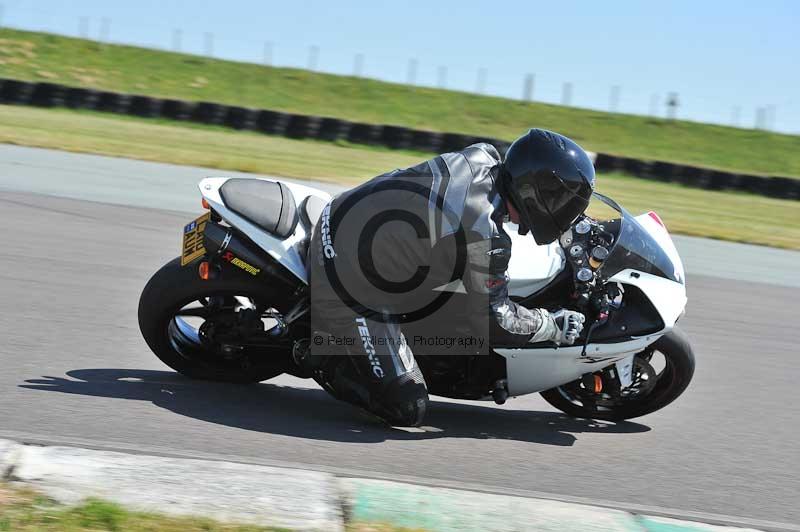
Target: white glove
561,327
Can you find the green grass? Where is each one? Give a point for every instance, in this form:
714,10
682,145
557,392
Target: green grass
725,215
38,56
23,510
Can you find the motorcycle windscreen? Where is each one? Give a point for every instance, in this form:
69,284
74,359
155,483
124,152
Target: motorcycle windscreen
635,248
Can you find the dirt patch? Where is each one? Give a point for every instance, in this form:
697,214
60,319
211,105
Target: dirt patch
8,496
17,48
199,82
47,74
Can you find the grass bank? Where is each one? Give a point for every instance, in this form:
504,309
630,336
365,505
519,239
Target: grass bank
23,510
45,57
724,215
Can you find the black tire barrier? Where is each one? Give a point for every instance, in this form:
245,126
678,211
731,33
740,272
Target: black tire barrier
333,129
794,190
208,113
80,98
47,95
605,163
633,166
751,183
177,109
302,126
145,106
396,137
272,122
721,181
429,141
782,187
455,142
688,175
16,92
239,117
660,171
647,170
702,178
112,102
365,133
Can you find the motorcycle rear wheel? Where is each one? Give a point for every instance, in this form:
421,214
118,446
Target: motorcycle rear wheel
671,383
176,296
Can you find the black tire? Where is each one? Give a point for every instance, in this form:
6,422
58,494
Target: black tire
170,289
672,382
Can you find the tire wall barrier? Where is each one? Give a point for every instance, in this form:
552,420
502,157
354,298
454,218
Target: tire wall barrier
297,126
698,177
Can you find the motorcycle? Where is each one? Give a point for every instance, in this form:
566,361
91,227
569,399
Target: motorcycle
235,305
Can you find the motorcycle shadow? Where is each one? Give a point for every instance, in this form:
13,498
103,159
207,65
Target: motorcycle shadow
313,414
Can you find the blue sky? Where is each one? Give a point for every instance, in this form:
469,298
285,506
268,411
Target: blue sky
717,55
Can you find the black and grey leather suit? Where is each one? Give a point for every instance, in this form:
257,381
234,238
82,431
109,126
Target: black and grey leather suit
393,250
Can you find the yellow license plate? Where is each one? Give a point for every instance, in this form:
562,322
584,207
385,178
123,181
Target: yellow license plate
193,239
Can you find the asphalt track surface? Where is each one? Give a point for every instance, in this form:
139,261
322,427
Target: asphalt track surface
74,370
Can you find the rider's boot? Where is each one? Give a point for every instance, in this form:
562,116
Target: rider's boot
401,402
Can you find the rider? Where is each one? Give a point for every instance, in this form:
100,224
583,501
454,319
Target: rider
381,249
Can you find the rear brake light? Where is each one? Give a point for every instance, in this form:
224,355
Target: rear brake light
657,218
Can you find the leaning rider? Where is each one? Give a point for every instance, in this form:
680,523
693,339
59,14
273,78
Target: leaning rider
451,206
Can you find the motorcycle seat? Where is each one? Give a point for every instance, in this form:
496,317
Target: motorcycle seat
268,204
310,211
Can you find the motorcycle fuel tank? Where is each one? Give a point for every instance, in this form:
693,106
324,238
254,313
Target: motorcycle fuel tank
532,267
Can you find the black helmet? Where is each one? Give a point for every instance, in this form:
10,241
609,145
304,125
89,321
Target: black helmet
549,179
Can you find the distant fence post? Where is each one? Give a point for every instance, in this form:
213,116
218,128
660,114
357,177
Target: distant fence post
313,57
653,105
527,88
358,65
672,105
566,94
268,53
760,118
736,114
105,29
480,83
613,99
209,44
441,77
83,27
411,74
770,117
177,37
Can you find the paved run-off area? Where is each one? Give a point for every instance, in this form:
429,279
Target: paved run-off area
75,370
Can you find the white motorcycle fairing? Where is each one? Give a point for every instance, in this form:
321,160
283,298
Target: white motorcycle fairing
285,251
531,267
534,369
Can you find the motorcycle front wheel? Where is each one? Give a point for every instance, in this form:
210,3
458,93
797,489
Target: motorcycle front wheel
651,389
213,329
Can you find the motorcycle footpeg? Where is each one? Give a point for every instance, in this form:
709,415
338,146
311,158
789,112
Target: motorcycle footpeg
500,392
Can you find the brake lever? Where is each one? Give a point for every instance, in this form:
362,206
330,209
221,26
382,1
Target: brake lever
601,320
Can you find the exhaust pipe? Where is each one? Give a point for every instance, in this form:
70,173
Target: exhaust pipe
223,246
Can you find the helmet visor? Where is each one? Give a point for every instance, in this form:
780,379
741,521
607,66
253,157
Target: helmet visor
552,204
